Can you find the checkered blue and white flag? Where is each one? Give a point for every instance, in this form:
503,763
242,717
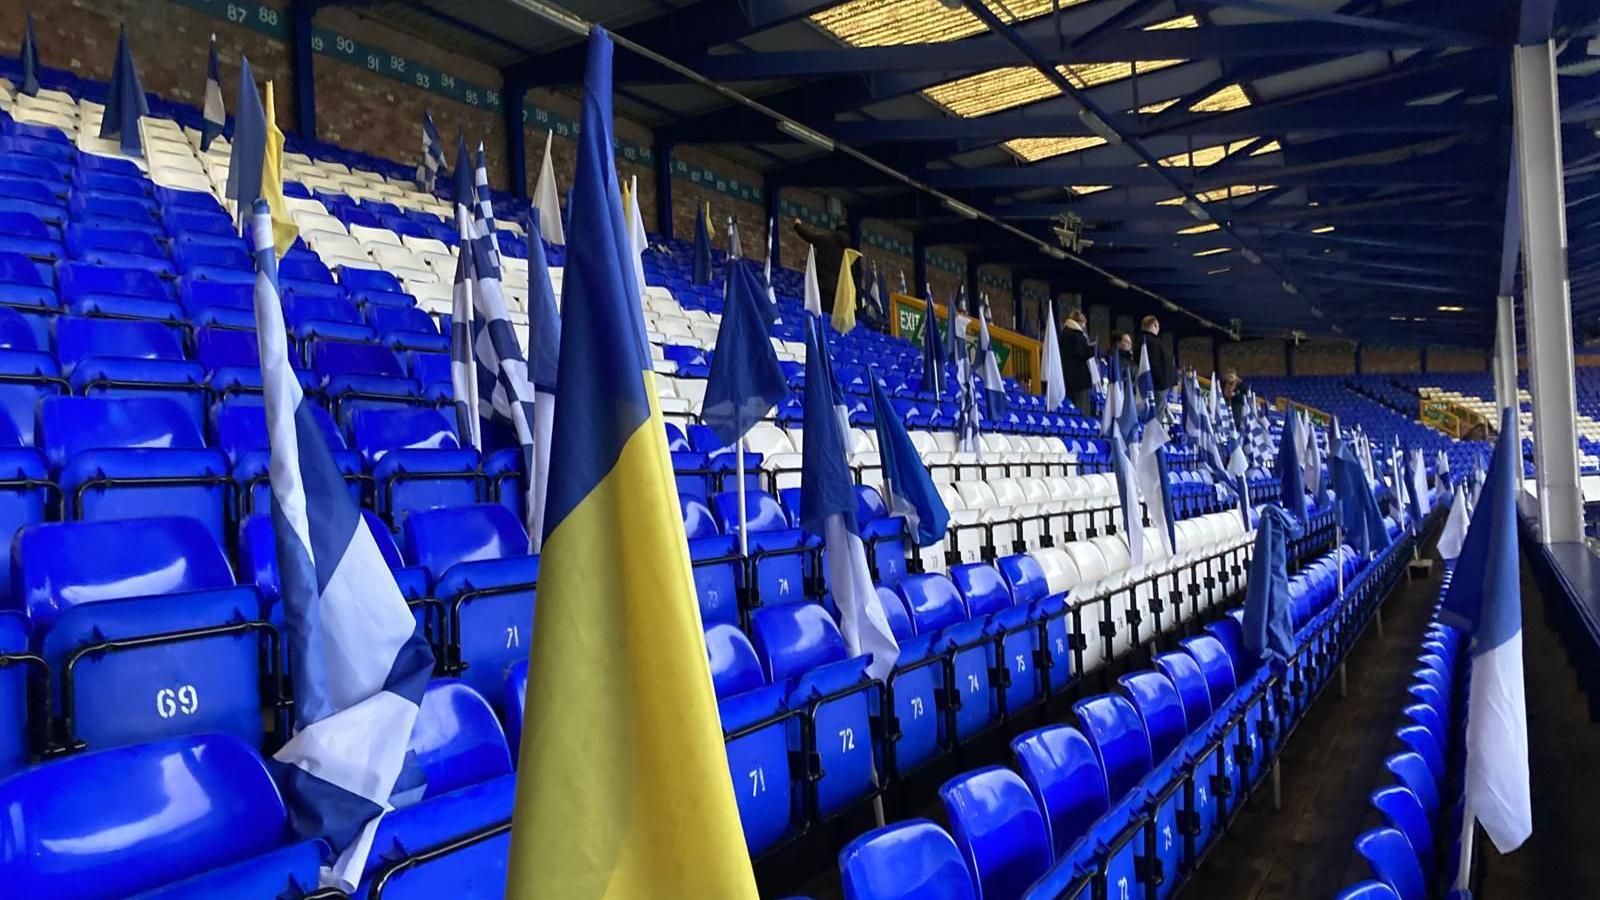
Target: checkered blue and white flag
967,439
213,118
357,659
432,155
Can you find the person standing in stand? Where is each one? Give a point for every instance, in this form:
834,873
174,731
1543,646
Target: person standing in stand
1076,352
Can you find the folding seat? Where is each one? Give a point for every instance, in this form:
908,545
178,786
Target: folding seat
1032,592
123,209
988,598
178,380
1402,811
1064,775
373,287
477,559
755,730
104,245
118,292
317,316
214,258
258,565
457,740
800,647
27,235
152,576
34,197
910,860
914,688
183,806
403,328
715,559
936,609
778,559
451,845
1368,890
1115,731
427,368
997,824
883,534
184,218
78,339
415,461
227,304
15,727
1392,861
23,165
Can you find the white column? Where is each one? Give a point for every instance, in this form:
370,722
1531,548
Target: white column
1504,361
1548,306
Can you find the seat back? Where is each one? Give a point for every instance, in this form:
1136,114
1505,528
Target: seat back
1185,675
1212,658
457,739
437,539
997,824
78,338
1403,812
181,806
376,431
763,512
1025,577
794,638
932,600
70,425
982,589
911,860
1160,709
734,665
330,358
1393,862
1064,774
1119,740
131,558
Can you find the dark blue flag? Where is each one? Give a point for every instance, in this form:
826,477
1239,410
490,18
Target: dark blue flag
30,60
745,380
908,489
125,102
1268,619
702,249
1291,480
932,350
249,144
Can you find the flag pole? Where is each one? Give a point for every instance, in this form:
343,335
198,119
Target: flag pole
744,540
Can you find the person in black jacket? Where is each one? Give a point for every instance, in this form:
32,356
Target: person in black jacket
1076,351
1163,372
830,244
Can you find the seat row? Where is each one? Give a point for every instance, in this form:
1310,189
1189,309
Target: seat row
1416,852
1126,802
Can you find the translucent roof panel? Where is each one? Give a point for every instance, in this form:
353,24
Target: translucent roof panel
1035,149
879,23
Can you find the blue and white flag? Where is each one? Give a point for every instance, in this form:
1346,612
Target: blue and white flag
125,101
967,438
30,59
1292,490
1146,385
1118,411
828,510
745,381
1484,600
772,256
994,389
1417,488
432,155
908,489
932,350
544,361
1358,515
1154,487
505,398
1311,462
547,200
213,118
1454,533
1268,614
358,662
956,331
463,368
1441,469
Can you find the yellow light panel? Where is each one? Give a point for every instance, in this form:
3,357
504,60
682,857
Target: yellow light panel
992,91
1322,230
1084,190
1213,251
1200,229
1238,190
1035,149
1205,156
1268,147
1219,271
879,23
1179,22
1226,99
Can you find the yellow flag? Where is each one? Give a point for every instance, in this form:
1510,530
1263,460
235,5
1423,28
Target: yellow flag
844,296
283,228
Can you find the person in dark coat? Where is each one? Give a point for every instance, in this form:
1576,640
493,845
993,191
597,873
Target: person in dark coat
1163,371
1125,358
830,244
1076,351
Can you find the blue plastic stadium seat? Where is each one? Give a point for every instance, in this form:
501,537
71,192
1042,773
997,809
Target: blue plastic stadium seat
258,564
1212,659
781,567
179,381
330,360
415,460
24,489
1412,773
1001,833
1393,862
214,258
118,292
1403,812
716,564
1160,710
146,577
26,378
988,598
374,287
800,646
911,860
914,685
111,246
183,219
403,328
457,739
25,234
210,302
1114,730
14,725
292,870
1368,890
130,458
34,197
477,559
77,339
239,430
936,608
884,535
754,727
182,806
474,868
1066,780
1031,591
107,182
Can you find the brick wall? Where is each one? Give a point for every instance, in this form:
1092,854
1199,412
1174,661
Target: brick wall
945,283
791,249
1377,359
1325,358
1195,353
1002,300
893,265
1254,358
1100,325
1457,359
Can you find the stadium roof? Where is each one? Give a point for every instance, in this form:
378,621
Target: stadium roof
1333,168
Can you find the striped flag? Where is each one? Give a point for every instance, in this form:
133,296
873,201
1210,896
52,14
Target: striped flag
505,398
432,155
828,510
463,366
358,662
544,355
994,389
967,409
932,350
213,118
955,331
622,786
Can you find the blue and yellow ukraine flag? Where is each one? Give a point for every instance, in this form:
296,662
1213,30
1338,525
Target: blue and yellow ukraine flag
623,786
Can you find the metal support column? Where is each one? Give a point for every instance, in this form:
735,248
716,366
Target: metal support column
301,12
1505,360
513,104
662,151
1549,307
